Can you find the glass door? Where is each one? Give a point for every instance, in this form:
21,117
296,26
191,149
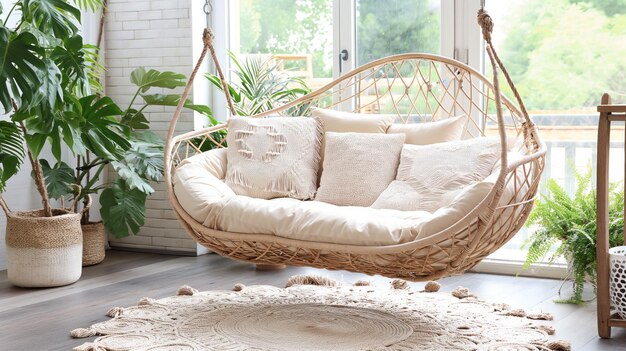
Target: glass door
391,27
298,34
319,40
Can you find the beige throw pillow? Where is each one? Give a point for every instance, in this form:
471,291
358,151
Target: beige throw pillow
430,176
448,129
358,167
273,157
348,122
345,122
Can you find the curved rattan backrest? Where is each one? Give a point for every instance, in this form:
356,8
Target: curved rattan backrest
414,88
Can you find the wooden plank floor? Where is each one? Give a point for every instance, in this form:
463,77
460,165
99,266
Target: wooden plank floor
40,319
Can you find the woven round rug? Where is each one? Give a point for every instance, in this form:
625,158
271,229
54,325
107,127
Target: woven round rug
319,314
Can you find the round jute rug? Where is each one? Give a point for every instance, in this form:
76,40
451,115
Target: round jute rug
318,314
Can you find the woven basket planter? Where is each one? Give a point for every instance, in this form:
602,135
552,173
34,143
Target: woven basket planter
44,251
617,266
94,241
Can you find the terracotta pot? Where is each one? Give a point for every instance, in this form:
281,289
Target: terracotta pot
44,251
94,241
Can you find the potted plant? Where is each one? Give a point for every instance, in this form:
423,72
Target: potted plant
43,68
567,225
138,162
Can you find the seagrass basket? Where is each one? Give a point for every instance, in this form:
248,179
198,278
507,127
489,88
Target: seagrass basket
44,251
94,242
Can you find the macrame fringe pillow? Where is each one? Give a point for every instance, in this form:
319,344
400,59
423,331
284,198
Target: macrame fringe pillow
274,156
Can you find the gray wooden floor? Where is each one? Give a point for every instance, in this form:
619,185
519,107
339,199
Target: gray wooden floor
40,319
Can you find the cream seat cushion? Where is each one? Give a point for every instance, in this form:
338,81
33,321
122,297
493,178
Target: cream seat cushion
274,156
448,129
205,197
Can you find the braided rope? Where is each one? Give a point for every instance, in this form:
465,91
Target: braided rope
486,24
208,42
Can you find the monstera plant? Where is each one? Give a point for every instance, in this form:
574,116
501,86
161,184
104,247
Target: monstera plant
137,157
49,90
46,76
44,67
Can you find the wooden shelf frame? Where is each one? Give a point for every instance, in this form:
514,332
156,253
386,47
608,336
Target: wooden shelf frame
608,113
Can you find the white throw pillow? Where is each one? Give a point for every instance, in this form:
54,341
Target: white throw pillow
358,167
273,157
448,129
430,176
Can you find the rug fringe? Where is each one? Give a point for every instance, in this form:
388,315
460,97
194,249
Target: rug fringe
543,316
186,290
400,284
462,293
546,328
432,286
114,312
310,279
146,301
80,333
89,347
362,283
499,307
515,313
559,345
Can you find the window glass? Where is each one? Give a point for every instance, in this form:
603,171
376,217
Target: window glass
297,33
563,55
389,27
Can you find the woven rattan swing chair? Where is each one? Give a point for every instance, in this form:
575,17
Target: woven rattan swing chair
435,88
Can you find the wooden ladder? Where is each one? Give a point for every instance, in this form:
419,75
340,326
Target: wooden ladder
608,114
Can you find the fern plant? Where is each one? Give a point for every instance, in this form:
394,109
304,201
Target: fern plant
569,222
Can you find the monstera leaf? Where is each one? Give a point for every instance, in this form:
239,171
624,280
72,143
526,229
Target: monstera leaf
142,162
134,180
92,5
58,178
146,155
20,66
155,79
70,58
56,17
173,100
135,119
11,151
122,209
100,131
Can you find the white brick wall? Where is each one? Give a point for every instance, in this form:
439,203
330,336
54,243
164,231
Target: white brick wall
153,34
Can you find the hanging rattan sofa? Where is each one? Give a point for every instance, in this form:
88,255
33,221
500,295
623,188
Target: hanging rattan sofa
415,88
